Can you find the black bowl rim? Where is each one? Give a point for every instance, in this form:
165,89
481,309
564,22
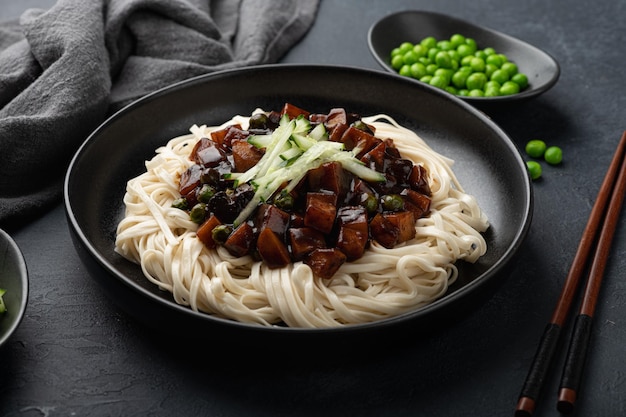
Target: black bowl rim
498,267
15,254
474,100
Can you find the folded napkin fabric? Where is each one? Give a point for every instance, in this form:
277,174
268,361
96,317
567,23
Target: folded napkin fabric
64,70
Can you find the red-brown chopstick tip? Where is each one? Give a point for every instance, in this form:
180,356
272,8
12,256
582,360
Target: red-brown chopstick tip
525,407
567,397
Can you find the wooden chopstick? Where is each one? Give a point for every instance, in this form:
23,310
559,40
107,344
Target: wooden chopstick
551,336
577,352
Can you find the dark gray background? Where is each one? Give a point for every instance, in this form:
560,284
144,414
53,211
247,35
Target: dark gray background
76,354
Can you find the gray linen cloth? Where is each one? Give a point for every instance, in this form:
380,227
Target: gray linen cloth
64,70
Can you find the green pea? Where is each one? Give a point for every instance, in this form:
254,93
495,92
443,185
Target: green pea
463,92
509,88
198,213
410,57
432,53
553,155
420,50
464,50
180,203
492,84
534,169
444,72
500,76
256,121
396,51
438,81
370,203
405,70
476,81
535,148
489,51
359,124
405,47
426,79
495,60
492,92
418,70
480,54
397,62
472,43
445,45
454,55
476,93
392,202
205,193
429,42
430,69
457,40
510,67
452,90
490,69
220,233
443,60
492,89
466,61
459,78
477,64
521,80
284,201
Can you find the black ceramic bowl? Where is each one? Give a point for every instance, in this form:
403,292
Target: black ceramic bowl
13,279
487,163
386,34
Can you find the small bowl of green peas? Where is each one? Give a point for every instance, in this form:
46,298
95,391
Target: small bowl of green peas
472,62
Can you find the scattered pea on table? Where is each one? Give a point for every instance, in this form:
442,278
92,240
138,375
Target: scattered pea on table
536,148
534,169
553,155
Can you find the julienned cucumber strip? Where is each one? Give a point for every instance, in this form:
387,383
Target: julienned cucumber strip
292,150
358,168
319,132
303,142
260,141
291,154
274,148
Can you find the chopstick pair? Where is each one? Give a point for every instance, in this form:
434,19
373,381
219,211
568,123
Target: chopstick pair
603,218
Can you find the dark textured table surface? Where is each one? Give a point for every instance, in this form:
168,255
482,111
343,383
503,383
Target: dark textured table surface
76,354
